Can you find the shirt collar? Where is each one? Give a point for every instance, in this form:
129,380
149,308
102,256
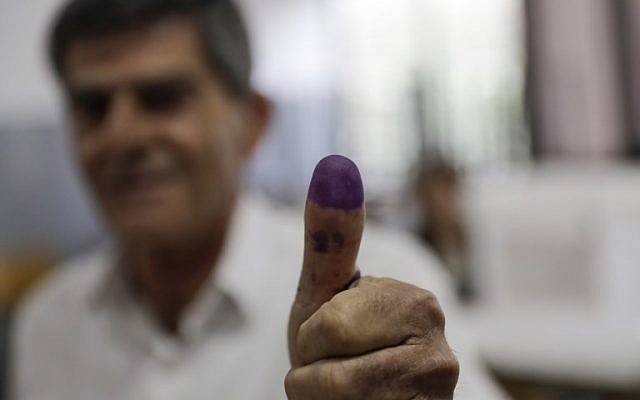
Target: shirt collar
224,301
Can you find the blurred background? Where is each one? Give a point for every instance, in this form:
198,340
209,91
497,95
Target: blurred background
503,133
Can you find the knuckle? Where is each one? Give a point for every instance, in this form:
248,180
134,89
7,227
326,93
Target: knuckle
330,380
427,303
291,385
334,326
426,298
302,343
449,373
440,373
338,382
438,317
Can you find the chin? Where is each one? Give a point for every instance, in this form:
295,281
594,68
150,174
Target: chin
151,226
147,235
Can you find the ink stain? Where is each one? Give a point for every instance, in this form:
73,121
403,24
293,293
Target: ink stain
336,183
338,239
324,242
320,241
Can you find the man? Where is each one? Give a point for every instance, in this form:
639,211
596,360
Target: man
191,300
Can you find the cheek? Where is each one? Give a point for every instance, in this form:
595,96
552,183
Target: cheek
202,151
221,164
219,160
220,139
208,144
87,157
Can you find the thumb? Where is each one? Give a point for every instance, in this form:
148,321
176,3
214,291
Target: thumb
334,220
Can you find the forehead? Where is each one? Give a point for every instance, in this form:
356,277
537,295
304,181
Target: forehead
168,46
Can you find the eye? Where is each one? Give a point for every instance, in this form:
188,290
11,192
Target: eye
165,96
91,106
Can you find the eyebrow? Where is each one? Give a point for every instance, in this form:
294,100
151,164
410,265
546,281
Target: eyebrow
181,80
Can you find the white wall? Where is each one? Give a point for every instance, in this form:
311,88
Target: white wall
26,87
290,44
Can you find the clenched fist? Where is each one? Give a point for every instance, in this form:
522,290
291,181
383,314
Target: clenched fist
359,338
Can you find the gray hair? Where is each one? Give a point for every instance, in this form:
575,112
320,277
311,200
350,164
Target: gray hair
219,22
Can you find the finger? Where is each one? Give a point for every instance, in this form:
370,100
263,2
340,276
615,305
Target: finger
378,313
402,372
334,220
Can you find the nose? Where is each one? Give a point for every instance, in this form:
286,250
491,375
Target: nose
126,122
123,139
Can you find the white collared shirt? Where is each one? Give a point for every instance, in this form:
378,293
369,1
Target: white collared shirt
85,335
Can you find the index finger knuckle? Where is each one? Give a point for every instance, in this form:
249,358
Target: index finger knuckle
426,303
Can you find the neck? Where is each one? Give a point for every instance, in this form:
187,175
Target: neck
170,276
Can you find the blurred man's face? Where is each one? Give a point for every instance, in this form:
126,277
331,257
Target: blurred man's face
159,139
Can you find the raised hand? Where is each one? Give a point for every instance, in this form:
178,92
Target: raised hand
359,338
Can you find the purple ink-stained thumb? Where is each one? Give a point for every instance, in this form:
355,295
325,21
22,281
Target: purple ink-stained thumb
336,183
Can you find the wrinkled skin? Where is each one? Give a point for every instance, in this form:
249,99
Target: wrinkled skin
383,339
375,338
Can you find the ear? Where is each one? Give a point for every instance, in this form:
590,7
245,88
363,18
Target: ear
259,111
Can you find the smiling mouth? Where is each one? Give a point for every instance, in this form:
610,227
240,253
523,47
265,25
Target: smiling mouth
141,185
